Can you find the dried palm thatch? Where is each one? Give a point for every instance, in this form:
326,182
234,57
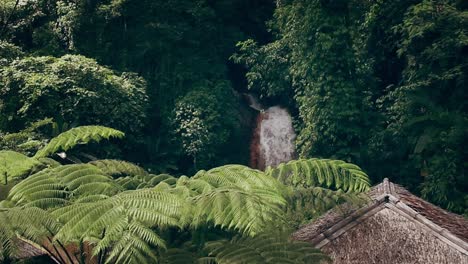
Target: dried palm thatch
395,227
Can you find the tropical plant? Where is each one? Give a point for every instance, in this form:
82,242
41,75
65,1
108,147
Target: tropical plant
116,212
72,89
78,135
264,249
15,165
205,121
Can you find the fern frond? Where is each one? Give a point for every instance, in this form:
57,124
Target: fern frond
264,249
14,165
51,163
305,204
8,247
38,226
235,209
123,223
33,223
78,135
132,248
177,256
154,180
182,256
145,181
57,186
322,199
119,168
237,197
241,176
321,172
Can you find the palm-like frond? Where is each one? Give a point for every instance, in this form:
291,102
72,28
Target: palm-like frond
32,223
78,135
123,223
51,163
182,256
7,236
57,186
35,225
237,197
321,199
119,168
14,165
321,172
264,249
240,176
144,181
305,204
236,209
88,203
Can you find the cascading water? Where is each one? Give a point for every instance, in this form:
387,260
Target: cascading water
273,137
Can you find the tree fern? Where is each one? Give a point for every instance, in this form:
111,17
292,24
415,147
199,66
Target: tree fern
237,197
57,186
87,203
185,256
179,256
122,224
240,176
14,165
119,168
144,181
321,172
37,226
305,204
266,248
322,199
8,247
236,209
78,135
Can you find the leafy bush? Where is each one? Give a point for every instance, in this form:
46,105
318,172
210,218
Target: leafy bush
205,120
72,89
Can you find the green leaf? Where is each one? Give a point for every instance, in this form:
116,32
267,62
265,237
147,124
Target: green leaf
78,135
321,172
15,165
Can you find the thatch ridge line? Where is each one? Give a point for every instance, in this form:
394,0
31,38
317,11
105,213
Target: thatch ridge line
341,226
395,204
438,231
386,186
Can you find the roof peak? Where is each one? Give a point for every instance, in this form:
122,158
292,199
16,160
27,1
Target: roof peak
386,187
445,225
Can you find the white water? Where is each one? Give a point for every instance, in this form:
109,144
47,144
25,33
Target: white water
273,138
276,136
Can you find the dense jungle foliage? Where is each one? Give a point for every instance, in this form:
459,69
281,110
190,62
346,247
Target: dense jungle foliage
379,83
113,211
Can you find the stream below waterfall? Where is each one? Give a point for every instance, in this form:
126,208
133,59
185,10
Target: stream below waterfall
273,137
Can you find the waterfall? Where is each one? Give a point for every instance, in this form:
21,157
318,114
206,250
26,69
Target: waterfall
273,138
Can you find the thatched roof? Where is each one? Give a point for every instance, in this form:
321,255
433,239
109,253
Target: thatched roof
396,226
